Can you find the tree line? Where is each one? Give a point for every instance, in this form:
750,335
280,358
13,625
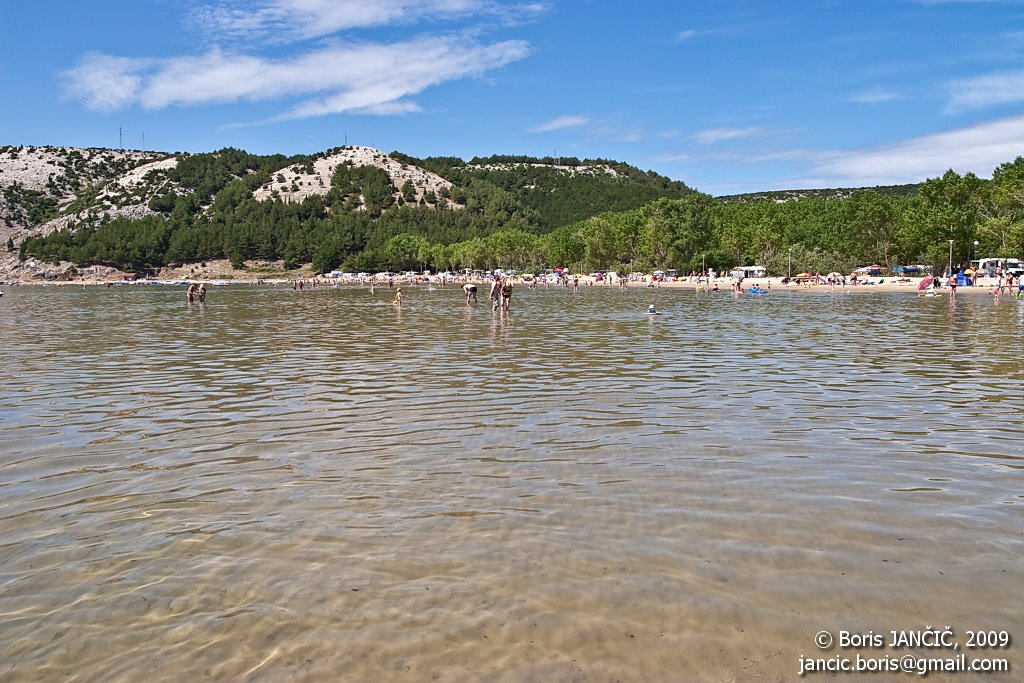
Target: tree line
531,217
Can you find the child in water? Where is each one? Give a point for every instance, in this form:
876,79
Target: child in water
652,310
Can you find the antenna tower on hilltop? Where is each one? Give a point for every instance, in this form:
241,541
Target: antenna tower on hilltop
120,138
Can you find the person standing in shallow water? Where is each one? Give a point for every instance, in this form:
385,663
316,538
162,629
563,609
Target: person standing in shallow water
201,293
495,293
190,294
506,293
470,289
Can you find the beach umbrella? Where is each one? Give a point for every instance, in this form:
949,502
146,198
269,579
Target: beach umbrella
802,275
925,282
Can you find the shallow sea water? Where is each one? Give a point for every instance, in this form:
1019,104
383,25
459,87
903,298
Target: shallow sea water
319,485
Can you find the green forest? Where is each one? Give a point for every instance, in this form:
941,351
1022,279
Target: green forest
526,214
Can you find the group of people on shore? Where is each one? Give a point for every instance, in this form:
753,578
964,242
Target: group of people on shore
1005,284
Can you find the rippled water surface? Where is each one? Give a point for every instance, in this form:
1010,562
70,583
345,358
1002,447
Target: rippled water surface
319,485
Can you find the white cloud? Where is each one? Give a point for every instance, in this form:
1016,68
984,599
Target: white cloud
985,91
561,123
671,158
713,135
103,82
291,20
685,35
977,149
287,20
365,77
333,77
875,96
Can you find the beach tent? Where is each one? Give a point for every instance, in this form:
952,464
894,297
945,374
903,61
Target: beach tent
906,269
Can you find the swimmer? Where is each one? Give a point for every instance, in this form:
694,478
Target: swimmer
398,297
470,289
651,310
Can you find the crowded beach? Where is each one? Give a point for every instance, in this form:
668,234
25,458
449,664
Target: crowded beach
751,279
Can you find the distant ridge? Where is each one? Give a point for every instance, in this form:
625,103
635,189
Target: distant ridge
826,193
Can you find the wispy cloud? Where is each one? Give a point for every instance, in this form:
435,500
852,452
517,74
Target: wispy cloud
977,149
685,35
290,20
875,96
985,91
713,135
958,2
328,78
561,123
363,77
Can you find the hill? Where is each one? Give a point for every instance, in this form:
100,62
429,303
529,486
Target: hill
359,209
141,210
43,188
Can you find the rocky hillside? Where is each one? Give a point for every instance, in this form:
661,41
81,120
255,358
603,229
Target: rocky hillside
141,211
297,181
44,188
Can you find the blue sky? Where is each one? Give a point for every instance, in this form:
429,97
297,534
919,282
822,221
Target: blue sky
725,95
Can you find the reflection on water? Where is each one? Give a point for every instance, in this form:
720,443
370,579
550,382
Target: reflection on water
319,485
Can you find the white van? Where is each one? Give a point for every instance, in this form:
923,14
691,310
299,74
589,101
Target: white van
987,266
748,271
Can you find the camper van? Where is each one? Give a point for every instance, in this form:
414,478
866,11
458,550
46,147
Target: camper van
1008,266
748,271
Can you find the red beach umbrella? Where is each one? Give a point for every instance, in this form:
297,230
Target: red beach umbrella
925,282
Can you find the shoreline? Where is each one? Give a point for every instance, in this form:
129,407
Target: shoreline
773,284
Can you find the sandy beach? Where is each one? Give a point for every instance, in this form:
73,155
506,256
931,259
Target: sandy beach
865,286
774,284
220,272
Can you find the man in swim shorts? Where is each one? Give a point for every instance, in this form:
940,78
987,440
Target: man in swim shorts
470,289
